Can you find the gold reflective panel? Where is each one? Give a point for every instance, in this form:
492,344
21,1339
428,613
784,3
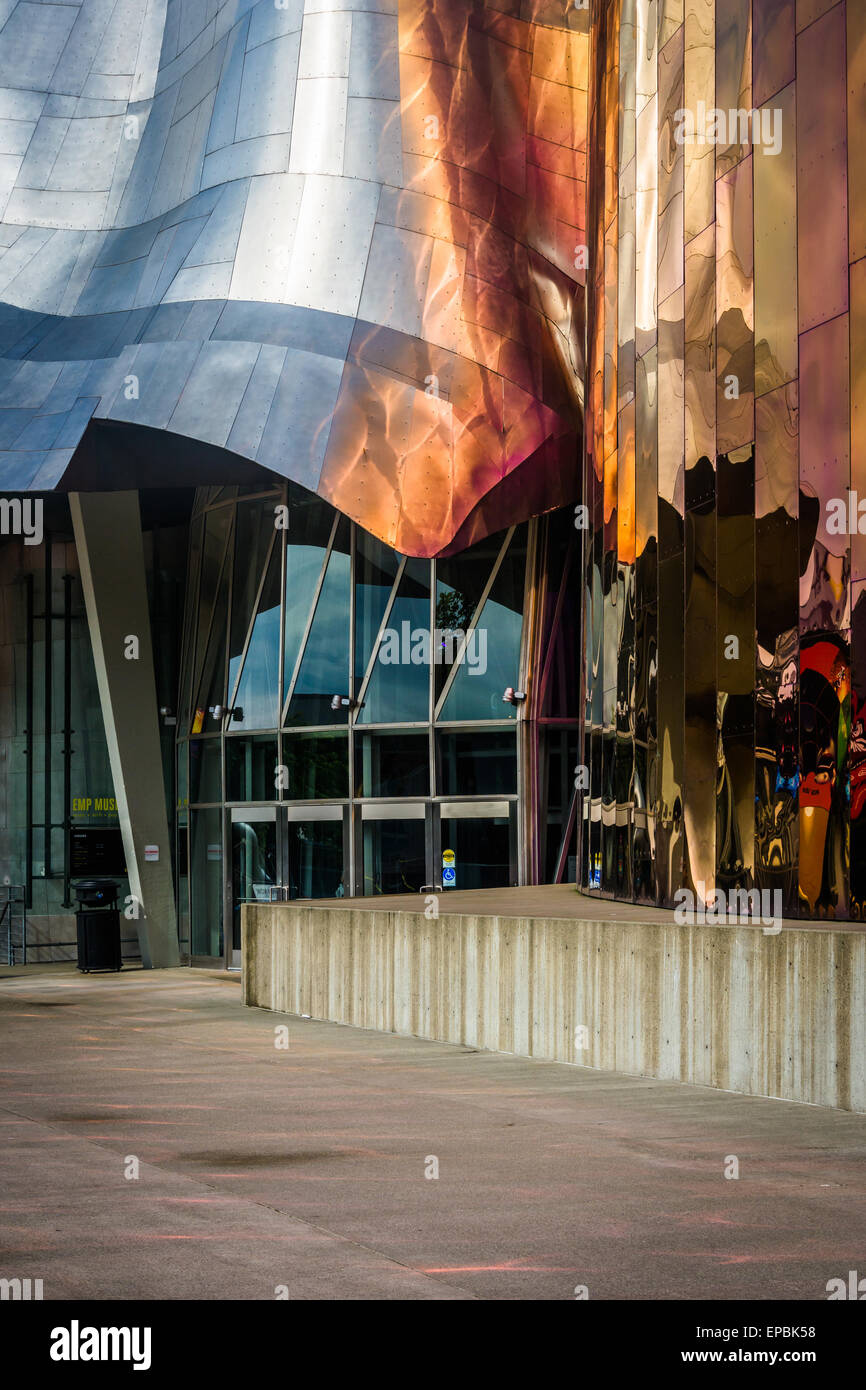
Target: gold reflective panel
700,345
727,427
776,252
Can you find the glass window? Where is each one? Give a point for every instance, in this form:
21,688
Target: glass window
310,526
491,658
212,569
251,765
316,859
477,764
318,766
205,777
399,689
460,582
376,568
212,685
324,669
256,701
392,764
254,532
394,856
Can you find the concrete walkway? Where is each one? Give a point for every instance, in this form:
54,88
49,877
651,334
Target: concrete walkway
260,1167
550,901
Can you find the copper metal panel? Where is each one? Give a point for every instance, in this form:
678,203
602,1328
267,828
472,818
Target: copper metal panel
700,349
735,352
775,194
822,209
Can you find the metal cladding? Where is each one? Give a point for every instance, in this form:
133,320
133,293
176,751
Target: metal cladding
335,237
725,578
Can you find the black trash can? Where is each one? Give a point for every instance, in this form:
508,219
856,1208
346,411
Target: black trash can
98,925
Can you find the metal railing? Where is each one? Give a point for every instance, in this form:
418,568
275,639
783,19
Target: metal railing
13,922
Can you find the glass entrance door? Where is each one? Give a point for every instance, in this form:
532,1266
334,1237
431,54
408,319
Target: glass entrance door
316,860
395,848
478,843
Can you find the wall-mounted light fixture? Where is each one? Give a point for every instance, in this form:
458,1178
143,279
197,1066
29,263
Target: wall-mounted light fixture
344,702
513,697
220,712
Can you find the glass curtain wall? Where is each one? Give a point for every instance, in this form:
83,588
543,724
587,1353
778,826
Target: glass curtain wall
324,670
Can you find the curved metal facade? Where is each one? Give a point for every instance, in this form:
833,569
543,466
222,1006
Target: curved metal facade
725,591
334,237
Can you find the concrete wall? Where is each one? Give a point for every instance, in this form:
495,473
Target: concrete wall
730,1007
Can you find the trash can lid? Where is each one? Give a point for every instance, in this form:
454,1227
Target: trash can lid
94,884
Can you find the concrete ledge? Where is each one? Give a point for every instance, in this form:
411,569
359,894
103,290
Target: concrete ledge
729,1007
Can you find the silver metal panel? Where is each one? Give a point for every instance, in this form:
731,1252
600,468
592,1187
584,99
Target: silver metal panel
24,249
395,286
15,136
129,243
296,433
373,147
200,282
248,428
55,104
90,244
17,105
268,89
201,320
269,154
267,22
17,471
331,245
393,810
192,20
40,284
30,386
161,370
111,287
31,42
87,156
203,78
43,150
319,128
186,60
67,388
150,45
56,209
51,469
355,6
225,111
75,422
103,88
374,62
314,811
118,50
471,810
326,45
9,167
213,391
218,240
198,145
178,242
149,149
267,235
168,190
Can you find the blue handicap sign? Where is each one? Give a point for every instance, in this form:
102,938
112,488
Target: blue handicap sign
449,877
